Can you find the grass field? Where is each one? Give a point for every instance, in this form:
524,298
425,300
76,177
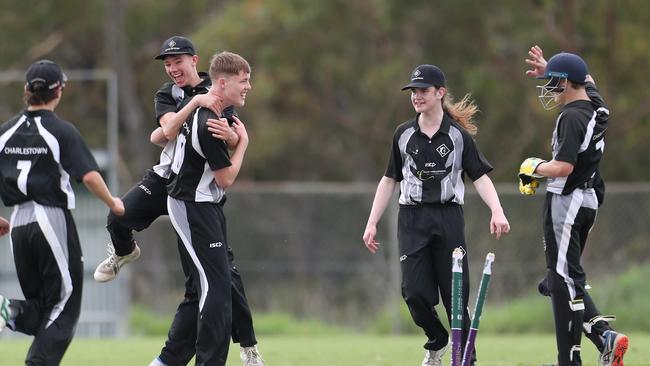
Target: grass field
344,350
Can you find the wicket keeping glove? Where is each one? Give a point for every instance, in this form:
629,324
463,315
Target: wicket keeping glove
528,188
527,177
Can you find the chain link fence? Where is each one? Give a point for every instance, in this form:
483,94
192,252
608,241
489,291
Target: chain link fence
299,249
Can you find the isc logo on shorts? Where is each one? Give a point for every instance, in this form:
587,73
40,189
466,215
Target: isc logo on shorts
216,245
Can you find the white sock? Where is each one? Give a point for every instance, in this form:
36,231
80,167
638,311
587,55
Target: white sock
157,362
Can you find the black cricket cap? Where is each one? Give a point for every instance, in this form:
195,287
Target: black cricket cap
426,76
176,45
44,75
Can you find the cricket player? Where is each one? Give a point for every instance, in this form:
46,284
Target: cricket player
202,170
575,189
174,102
430,156
39,154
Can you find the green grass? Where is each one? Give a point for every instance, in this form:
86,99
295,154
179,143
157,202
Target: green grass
288,341
619,296
145,323
348,349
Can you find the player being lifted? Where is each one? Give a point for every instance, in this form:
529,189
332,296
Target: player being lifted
575,189
39,153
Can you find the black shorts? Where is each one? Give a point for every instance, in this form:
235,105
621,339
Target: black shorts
440,225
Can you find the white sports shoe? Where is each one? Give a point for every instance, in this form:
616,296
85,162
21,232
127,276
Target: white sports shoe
108,269
434,358
250,356
4,312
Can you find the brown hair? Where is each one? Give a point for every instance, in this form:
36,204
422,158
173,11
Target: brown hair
227,63
39,97
462,112
576,86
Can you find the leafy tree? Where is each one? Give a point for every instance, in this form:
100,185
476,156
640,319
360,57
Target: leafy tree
327,74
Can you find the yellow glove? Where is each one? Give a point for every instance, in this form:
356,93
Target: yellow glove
528,188
527,170
527,177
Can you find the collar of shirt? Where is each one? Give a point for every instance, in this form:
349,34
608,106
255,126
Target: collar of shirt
577,103
38,113
201,88
444,124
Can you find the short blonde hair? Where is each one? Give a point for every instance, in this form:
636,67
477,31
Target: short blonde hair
227,63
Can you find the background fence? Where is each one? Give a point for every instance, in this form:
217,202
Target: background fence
300,251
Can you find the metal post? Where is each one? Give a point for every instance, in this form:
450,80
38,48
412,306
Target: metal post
395,301
113,129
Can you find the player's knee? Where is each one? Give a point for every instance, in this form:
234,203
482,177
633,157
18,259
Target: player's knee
114,223
555,283
110,220
543,288
415,296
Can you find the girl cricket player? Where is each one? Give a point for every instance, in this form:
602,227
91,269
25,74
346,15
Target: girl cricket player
429,158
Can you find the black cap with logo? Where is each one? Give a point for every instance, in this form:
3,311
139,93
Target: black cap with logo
44,75
176,45
426,76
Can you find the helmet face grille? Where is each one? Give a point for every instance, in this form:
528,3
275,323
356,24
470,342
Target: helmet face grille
549,92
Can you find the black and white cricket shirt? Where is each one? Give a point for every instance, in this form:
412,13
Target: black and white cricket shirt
579,139
172,98
431,170
39,153
196,155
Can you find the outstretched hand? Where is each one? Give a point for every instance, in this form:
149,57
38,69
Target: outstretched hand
210,100
537,62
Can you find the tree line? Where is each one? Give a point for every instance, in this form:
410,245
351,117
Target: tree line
327,75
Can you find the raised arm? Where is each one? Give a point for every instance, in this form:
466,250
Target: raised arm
536,61
593,93
171,122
